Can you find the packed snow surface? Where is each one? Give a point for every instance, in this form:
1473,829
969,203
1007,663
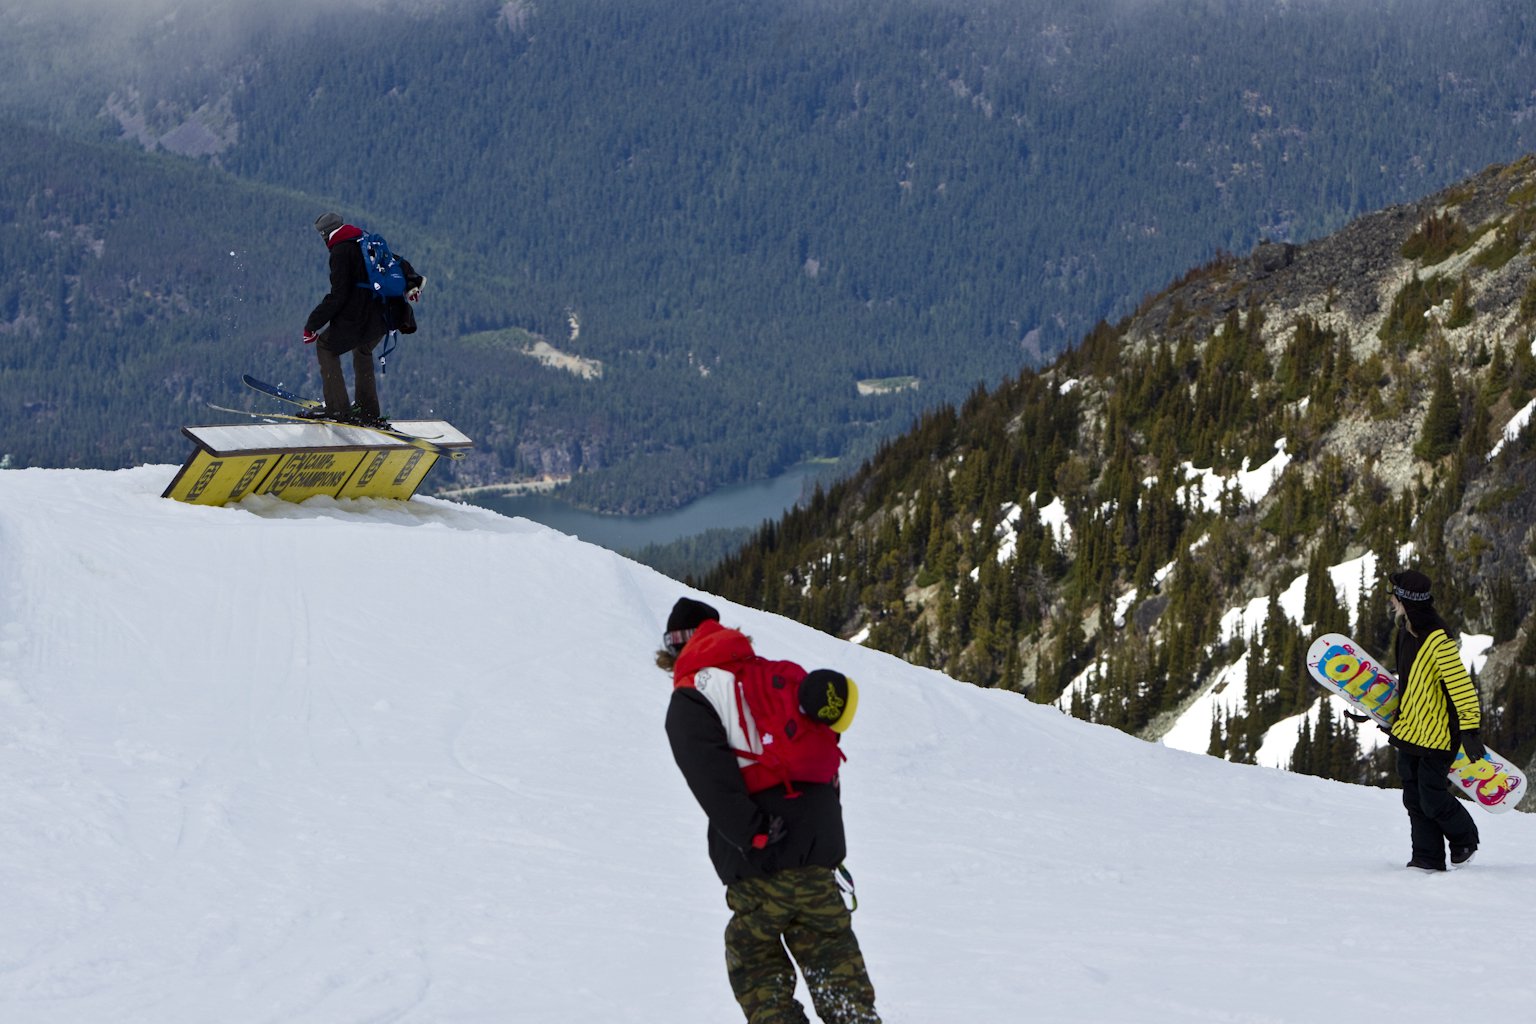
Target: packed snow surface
370,761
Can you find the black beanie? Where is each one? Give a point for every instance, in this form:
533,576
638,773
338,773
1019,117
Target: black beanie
328,222
1411,587
690,614
687,616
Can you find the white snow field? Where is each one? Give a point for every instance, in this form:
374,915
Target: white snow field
368,761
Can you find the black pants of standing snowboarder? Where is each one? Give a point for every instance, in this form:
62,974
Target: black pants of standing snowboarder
334,384
1435,816
803,909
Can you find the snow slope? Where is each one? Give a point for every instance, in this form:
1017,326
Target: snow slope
366,762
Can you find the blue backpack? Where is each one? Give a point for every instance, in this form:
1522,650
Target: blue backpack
386,278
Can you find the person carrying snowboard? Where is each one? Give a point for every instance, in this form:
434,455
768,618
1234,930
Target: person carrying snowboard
1437,713
757,743
351,318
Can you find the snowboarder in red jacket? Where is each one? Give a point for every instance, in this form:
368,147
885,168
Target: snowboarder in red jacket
776,849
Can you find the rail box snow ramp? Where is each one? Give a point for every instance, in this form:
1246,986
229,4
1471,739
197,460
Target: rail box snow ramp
295,461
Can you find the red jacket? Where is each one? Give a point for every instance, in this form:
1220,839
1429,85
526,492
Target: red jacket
711,646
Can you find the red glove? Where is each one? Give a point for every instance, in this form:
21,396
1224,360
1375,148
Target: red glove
310,337
775,832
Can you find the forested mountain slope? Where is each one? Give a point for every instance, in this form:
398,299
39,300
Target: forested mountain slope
1164,517
739,210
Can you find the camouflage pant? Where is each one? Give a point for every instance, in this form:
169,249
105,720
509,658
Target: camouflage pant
801,908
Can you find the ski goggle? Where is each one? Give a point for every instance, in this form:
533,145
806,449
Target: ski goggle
676,640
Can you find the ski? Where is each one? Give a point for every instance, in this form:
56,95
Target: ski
426,444
282,394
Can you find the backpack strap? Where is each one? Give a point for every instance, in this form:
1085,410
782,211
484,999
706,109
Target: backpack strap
389,346
845,886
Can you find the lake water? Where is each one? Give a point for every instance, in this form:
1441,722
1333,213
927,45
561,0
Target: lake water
735,506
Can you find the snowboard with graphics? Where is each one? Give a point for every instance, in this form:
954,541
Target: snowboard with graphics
1339,665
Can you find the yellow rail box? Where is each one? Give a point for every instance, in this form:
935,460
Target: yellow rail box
294,461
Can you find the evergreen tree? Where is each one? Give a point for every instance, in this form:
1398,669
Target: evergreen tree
1461,305
1442,423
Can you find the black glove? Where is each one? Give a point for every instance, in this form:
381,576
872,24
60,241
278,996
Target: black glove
1472,743
771,835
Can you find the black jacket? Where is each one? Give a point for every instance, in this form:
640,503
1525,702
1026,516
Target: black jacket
813,821
355,317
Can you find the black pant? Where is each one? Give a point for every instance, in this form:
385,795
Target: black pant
334,385
1435,815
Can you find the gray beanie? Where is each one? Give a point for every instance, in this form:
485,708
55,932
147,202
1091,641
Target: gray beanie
328,222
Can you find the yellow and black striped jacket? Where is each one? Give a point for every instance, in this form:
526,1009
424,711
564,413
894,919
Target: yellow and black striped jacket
1437,693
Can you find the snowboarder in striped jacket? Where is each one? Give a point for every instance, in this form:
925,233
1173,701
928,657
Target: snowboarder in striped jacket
1437,713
